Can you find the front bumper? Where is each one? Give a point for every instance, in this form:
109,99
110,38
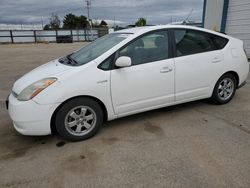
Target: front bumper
29,117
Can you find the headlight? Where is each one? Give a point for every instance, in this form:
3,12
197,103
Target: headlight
35,88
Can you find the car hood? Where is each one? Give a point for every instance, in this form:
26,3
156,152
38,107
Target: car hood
50,69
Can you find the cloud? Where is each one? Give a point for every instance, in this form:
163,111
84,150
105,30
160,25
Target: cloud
123,11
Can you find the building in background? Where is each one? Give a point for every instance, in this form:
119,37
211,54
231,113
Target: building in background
229,16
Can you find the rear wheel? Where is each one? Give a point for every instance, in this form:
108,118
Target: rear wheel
224,89
79,119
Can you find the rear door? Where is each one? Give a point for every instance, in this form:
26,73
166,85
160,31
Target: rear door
198,63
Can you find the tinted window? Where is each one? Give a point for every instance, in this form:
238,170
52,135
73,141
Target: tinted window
219,42
105,65
191,42
149,48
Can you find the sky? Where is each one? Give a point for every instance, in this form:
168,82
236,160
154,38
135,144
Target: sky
124,12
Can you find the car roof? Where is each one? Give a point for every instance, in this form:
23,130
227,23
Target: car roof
144,29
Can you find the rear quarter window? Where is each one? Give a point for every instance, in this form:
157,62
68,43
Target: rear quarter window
219,42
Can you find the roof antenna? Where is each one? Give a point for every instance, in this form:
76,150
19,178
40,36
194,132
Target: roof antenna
186,20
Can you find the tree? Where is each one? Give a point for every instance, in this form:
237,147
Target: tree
54,21
82,22
46,27
69,21
72,21
103,23
141,22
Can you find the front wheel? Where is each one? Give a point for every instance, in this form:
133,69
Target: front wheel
79,119
224,89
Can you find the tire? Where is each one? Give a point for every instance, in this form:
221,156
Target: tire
79,119
224,89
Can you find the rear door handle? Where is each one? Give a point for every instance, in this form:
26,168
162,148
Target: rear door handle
166,69
216,60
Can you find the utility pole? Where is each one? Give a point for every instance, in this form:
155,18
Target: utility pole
88,6
42,21
89,20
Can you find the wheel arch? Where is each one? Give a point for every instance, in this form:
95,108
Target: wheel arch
104,109
214,97
235,74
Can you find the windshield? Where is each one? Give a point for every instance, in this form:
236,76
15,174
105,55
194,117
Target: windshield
95,49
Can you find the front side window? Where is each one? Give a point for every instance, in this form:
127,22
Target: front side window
149,48
105,65
192,42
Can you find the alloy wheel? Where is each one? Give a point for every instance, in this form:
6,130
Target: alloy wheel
225,89
80,120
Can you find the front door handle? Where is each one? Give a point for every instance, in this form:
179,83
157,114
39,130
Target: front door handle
166,69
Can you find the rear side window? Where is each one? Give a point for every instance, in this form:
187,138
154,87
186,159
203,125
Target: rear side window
192,42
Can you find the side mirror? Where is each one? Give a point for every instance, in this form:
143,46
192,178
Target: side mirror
123,61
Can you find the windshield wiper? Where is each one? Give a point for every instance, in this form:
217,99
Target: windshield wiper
73,61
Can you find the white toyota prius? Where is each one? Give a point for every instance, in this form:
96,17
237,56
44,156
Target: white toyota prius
124,73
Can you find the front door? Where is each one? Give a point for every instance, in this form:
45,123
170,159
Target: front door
149,82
